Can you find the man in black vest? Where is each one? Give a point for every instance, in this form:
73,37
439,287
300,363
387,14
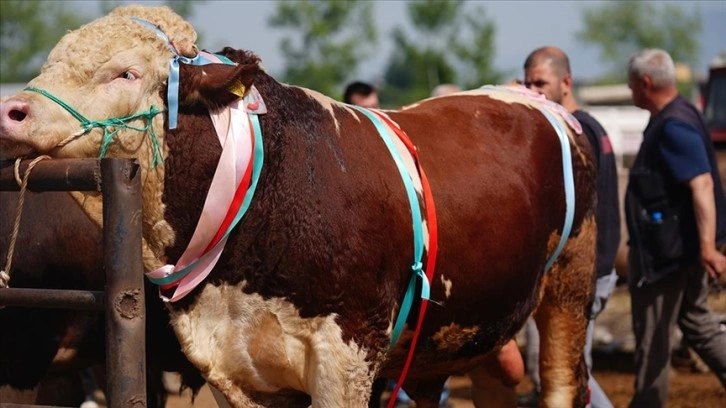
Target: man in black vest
547,71
676,216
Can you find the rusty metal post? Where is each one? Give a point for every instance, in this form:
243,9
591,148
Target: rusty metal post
125,311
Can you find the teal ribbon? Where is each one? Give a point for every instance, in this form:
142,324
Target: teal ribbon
417,267
569,182
115,123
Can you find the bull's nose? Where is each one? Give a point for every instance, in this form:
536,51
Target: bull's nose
13,112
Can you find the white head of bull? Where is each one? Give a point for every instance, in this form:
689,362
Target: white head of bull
110,69
102,93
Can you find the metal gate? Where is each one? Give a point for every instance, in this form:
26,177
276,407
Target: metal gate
123,297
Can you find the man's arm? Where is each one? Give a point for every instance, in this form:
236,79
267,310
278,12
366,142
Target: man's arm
704,208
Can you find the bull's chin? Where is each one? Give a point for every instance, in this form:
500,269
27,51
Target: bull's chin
13,150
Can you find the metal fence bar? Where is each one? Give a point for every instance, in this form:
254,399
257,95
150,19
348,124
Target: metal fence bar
11,405
92,300
125,311
119,181
55,175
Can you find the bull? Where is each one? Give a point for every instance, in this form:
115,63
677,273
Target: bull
294,285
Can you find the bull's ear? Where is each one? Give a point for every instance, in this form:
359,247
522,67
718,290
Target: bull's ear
214,85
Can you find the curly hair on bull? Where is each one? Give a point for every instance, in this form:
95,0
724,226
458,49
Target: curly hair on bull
180,32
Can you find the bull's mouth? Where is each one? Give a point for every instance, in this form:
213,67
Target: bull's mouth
13,149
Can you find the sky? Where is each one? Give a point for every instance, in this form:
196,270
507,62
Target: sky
521,26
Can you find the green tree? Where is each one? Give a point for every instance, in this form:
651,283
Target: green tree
330,39
28,31
452,43
620,28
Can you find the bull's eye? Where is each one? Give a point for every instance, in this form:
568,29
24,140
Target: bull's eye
128,75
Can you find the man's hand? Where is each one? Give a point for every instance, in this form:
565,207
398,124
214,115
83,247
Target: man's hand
714,262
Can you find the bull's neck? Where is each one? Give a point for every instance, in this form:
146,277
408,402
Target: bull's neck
194,152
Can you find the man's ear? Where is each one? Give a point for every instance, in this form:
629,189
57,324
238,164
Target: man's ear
214,85
646,82
567,80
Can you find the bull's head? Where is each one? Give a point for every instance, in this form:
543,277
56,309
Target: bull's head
108,69
102,92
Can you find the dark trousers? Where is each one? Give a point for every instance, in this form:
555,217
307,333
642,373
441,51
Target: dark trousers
681,298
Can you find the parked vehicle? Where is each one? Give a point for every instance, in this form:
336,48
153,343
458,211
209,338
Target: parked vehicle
714,98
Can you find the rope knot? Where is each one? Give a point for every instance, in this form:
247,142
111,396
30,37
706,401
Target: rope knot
4,279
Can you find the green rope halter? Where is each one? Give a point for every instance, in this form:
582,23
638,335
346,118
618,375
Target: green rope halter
110,126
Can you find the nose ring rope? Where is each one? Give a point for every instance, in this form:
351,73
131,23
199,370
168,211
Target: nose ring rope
116,123
5,272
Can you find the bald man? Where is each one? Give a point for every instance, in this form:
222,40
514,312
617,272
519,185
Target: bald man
547,71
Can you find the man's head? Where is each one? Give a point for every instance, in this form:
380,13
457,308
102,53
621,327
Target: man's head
361,94
652,79
547,71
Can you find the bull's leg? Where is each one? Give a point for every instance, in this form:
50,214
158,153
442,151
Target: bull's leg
493,382
228,395
562,366
219,398
562,318
342,380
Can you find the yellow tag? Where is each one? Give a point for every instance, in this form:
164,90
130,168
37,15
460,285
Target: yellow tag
238,89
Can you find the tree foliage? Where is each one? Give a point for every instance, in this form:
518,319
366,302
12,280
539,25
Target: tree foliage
28,31
621,28
450,44
330,38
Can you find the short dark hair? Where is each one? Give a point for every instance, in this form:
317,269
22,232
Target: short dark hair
357,88
554,56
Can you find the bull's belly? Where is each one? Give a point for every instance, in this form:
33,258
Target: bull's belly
427,365
452,349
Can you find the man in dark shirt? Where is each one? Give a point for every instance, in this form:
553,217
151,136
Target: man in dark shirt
676,216
547,71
